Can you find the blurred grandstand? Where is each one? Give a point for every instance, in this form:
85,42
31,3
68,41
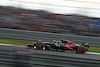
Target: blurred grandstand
44,21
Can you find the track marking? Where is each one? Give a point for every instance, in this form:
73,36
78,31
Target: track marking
93,53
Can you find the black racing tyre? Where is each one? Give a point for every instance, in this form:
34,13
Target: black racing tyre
81,50
39,46
47,48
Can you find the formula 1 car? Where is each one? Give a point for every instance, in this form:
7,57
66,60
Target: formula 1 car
64,45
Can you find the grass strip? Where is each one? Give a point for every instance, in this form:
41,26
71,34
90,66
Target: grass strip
16,41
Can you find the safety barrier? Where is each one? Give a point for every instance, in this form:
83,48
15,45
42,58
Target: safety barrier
46,60
44,36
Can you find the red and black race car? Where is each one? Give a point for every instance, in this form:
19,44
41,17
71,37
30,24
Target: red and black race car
64,45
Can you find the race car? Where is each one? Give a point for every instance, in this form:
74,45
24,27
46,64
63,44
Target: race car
64,45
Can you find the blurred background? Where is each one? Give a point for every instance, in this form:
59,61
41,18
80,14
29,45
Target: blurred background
76,17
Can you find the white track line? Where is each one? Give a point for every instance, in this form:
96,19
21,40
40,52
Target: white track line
93,53
5,44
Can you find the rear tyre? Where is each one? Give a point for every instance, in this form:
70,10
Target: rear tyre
81,50
39,46
47,48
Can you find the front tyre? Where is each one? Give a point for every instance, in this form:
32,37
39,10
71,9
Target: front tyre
39,46
81,50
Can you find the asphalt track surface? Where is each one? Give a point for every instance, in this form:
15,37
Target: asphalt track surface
85,56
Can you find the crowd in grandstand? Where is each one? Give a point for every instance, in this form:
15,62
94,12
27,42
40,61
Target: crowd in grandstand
44,21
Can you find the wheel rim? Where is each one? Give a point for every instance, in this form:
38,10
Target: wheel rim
39,46
81,50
